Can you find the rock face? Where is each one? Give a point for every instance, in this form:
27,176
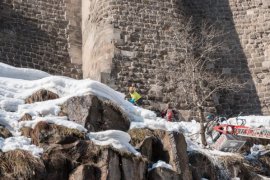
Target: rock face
26,117
163,174
4,132
21,164
85,172
226,167
41,95
157,145
202,167
45,134
95,114
99,161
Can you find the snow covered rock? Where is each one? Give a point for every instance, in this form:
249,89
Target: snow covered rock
45,133
162,173
95,114
41,95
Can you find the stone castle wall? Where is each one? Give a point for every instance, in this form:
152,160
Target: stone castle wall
148,40
133,41
247,26
149,29
41,34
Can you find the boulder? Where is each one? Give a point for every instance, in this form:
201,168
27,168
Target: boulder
58,166
176,146
95,114
162,173
41,95
157,145
111,163
220,167
202,167
26,117
133,168
26,131
19,164
45,133
85,172
4,132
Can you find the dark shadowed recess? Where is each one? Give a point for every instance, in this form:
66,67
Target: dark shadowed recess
219,12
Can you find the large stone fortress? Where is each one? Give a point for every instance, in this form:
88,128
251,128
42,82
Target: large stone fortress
123,41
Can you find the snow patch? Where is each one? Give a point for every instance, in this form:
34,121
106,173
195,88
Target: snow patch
118,139
21,73
19,142
161,164
61,121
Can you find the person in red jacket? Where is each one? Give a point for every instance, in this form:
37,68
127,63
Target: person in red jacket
169,113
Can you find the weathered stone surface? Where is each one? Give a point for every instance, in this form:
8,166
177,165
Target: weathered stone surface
4,132
58,166
26,117
224,167
19,164
157,145
202,167
26,131
176,146
85,172
111,164
163,174
45,134
95,114
133,168
41,95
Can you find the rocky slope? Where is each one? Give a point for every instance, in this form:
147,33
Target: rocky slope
82,130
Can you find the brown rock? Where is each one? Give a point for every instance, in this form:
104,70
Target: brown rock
133,168
161,173
26,117
95,114
19,164
111,163
45,133
58,166
85,172
176,146
138,135
4,132
228,167
41,95
26,131
157,145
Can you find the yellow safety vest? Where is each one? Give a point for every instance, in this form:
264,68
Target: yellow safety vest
136,96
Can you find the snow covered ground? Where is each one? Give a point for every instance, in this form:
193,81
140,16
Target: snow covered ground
16,84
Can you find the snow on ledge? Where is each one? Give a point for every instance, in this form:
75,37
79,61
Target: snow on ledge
21,73
20,142
161,164
118,139
62,121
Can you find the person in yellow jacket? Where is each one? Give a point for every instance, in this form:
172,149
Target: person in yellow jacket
136,98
